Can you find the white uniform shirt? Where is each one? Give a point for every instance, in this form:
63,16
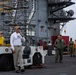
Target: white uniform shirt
16,40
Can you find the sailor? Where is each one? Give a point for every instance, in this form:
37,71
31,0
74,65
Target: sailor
59,45
71,47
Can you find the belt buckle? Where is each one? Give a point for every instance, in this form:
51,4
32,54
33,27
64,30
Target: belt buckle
17,46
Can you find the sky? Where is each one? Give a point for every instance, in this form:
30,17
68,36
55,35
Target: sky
70,27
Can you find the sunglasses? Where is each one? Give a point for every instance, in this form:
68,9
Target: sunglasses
18,28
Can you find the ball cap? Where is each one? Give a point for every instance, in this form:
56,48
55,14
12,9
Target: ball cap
17,27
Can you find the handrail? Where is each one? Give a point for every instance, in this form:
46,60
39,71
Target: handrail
32,12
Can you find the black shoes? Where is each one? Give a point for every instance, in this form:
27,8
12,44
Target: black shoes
18,71
59,61
56,61
22,70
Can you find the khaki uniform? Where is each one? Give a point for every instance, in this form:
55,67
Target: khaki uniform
75,48
71,48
